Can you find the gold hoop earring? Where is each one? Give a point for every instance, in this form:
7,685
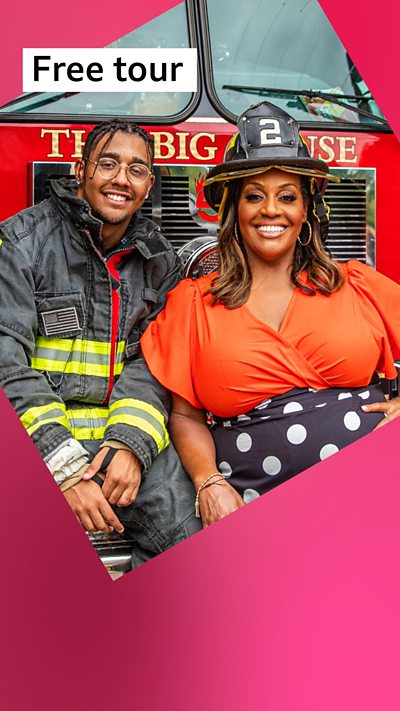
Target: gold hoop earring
304,244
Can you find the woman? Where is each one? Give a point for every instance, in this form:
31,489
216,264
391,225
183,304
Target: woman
283,344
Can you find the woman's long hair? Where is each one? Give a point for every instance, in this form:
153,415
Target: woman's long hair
232,285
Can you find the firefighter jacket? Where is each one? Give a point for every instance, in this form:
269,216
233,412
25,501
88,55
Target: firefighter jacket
70,322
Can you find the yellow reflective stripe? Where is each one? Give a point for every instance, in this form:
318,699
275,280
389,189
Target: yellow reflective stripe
88,433
34,412
139,405
36,417
75,413
61,420
78,344
142,415
77,357
71,367
88,423
142,424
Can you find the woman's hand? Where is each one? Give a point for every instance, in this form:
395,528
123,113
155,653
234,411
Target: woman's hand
218,500
390,408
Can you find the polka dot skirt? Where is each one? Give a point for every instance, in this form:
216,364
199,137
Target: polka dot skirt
284,435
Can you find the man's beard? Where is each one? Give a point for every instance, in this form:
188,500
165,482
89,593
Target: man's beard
107,220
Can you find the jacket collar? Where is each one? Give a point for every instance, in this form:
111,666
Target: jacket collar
141,233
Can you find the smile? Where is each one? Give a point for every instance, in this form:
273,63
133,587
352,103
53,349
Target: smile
116,198
271,229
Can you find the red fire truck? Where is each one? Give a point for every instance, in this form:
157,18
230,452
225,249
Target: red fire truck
284,51
281,50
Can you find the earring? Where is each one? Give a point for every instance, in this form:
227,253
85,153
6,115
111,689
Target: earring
147,196
304,244
235,232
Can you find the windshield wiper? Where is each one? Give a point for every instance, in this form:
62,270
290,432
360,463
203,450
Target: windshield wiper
311,94
42,102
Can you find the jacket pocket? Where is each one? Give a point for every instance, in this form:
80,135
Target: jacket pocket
60,314
60,325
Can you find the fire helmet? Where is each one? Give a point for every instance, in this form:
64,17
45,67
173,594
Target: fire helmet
268,138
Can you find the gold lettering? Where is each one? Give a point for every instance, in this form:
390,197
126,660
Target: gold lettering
347,144
55,140
208,151
325,144
311,145
78,144
182,155
163,144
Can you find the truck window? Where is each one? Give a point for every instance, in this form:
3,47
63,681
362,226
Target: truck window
283,48
171,29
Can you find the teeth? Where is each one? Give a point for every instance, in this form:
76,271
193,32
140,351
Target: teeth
271,228
116,198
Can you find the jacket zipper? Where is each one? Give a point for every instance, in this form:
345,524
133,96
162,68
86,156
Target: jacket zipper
111,264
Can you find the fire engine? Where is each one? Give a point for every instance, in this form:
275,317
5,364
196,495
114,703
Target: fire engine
279,50
286,52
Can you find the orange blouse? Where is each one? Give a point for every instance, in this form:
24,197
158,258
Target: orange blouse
228,361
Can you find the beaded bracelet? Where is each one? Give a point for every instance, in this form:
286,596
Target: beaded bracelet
202,486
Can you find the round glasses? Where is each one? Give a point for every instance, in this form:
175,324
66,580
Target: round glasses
109,168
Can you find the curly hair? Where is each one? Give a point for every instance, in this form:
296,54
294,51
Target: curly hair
232,285
109,129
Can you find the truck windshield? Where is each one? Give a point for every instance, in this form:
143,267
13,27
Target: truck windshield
264,45
171,29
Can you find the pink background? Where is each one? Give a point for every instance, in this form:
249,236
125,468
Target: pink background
291,604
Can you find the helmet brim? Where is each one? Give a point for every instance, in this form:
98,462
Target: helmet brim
235,170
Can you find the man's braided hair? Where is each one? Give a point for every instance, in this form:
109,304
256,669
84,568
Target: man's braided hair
110,128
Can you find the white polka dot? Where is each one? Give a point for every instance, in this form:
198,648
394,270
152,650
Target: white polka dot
365,395
226,423
351,421
242,418
321,405
312,390
250,495
263,404
296,434
327,450
225,469
292,407
271,465
343,396
244,442
265,417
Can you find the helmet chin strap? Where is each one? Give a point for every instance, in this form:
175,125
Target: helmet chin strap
222,203
321,211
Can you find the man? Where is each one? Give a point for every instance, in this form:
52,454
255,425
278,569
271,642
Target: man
81,276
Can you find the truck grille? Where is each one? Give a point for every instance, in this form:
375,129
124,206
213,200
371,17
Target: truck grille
177,223
348,223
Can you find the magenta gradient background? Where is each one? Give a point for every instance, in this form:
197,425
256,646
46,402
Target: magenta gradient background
289,605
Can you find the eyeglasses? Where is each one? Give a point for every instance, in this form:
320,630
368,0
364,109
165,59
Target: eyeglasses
109,168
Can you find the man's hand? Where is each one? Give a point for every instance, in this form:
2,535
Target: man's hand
391,409
123,476
91,508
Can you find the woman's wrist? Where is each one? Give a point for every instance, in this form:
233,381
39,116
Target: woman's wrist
214,478
205,472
